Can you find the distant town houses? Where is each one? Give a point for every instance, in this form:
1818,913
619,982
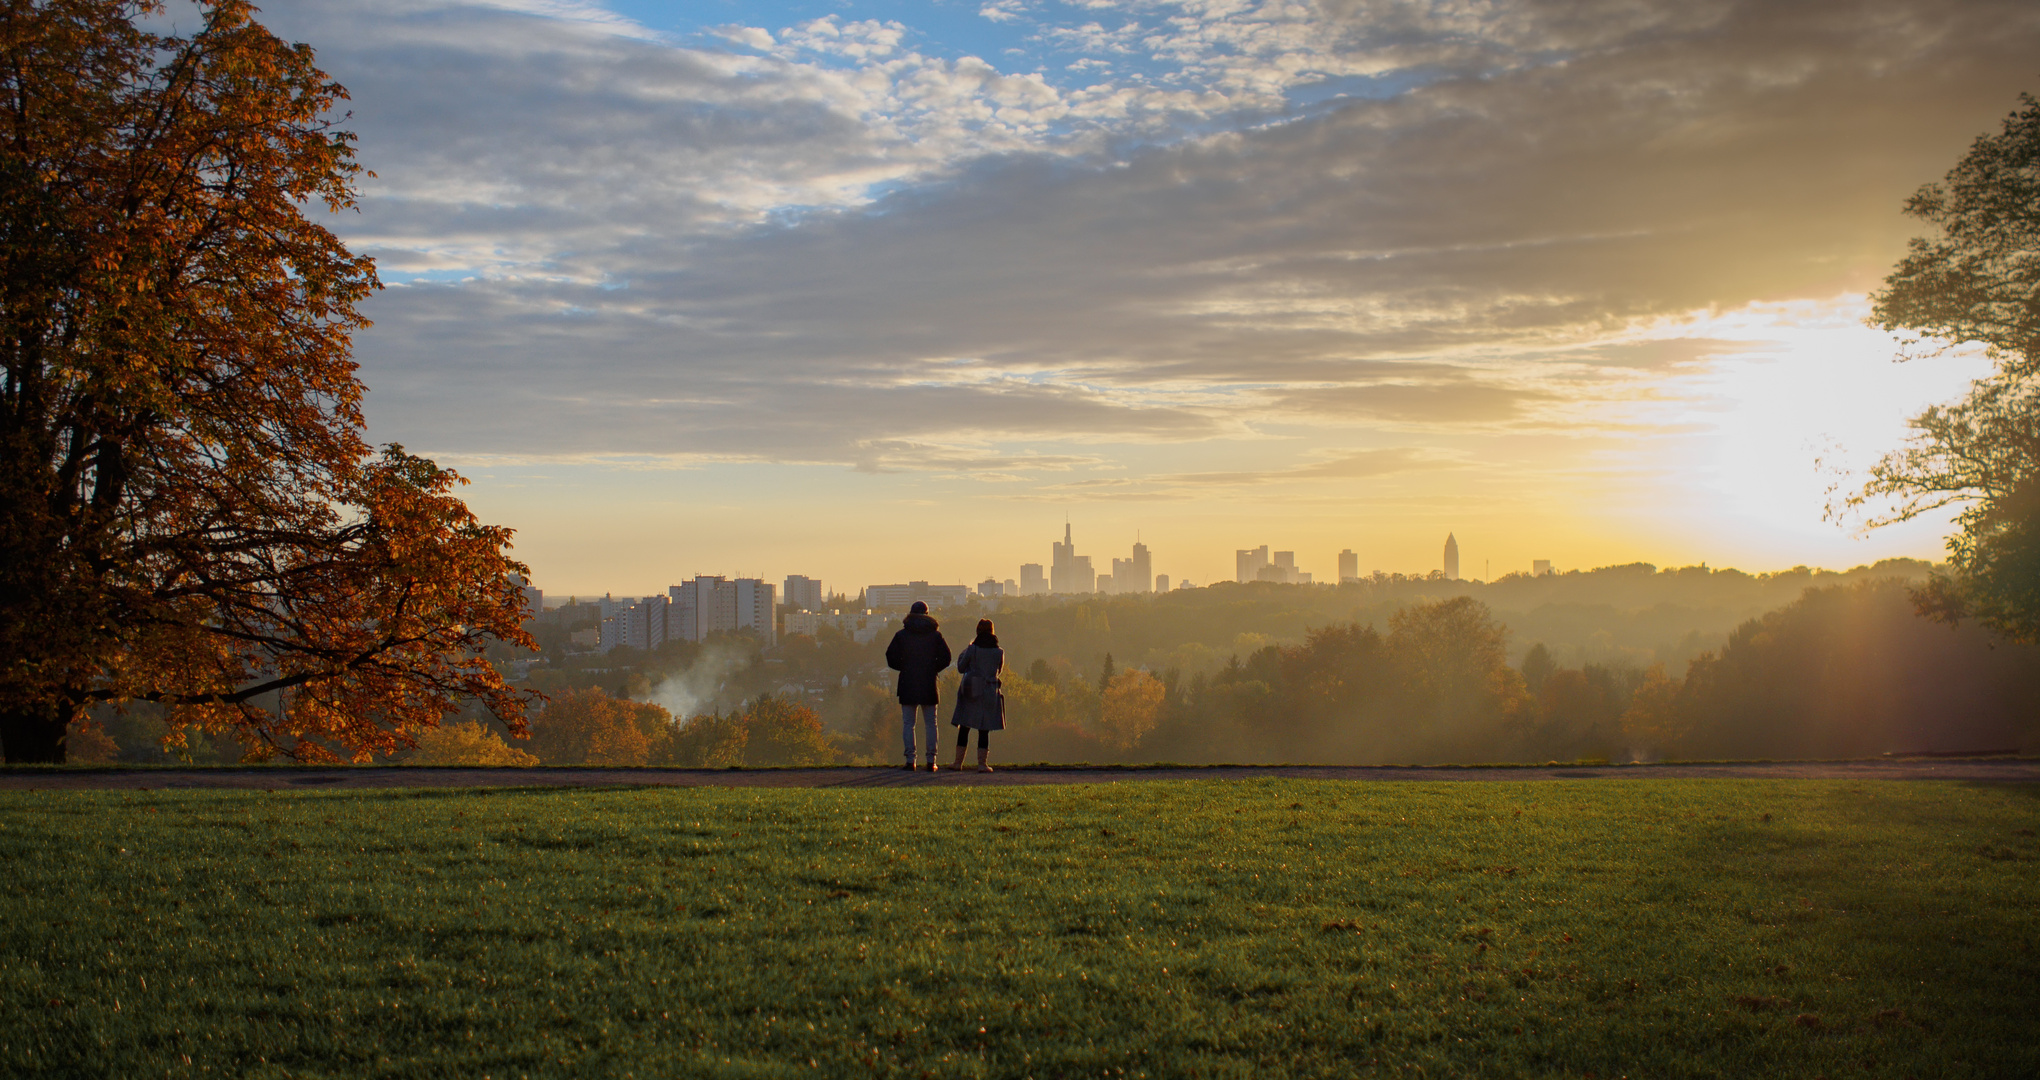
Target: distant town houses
863,627
901,597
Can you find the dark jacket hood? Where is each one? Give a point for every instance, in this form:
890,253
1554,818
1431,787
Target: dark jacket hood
921,624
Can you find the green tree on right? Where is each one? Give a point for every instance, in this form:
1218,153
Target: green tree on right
1976,283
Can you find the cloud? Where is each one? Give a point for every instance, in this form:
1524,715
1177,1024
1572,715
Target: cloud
839,248
1352,465
1430,403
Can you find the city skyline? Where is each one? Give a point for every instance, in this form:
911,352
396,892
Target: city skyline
1262,563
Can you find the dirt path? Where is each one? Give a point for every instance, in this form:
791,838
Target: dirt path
2001,770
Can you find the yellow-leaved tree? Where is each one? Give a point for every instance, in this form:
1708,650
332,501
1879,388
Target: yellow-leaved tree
466,742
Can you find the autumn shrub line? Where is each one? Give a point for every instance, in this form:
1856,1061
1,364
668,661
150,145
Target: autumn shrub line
1264,928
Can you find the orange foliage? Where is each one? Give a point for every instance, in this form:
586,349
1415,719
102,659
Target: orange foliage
588,727
89,744
189,513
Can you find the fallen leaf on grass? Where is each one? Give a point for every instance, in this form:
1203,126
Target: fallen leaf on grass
1808,1020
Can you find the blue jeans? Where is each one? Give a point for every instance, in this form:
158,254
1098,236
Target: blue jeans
907,728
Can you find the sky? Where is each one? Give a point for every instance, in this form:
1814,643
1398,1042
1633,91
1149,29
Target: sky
882,291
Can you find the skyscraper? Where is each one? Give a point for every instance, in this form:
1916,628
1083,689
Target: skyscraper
1031,581
1143,579
1247,563
1061,555
1451,558
1349,566
1069,572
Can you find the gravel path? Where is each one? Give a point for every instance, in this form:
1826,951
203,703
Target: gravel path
1999,770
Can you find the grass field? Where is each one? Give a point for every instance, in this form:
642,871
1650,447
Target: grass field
1598,928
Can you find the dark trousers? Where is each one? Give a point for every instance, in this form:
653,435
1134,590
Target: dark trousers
963,737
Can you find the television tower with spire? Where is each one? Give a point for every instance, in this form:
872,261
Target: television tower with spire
1451,558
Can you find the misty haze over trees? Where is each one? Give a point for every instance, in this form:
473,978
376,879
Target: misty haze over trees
1617,663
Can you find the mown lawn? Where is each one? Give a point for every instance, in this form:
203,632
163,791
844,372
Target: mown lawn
1204,928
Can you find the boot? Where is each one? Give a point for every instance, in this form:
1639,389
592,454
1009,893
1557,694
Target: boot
958,763
909,766
932,767
983,766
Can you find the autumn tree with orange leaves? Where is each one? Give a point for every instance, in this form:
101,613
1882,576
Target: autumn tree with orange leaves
189,513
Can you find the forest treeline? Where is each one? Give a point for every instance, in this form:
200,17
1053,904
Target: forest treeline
1844,670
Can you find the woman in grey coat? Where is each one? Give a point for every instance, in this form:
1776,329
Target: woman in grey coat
980,702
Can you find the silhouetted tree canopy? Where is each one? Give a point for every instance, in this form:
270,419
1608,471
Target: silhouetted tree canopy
189,514
1977,283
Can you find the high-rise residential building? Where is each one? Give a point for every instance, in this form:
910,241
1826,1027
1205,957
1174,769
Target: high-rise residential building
1121,579
641,625
1032,583
1540,567
1248,562
1012,587
802,592
1142,568
1083,579
991,587
1161,583
712,603
1451,558
1104,582
1349,566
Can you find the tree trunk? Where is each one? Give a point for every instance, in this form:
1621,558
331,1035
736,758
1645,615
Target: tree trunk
34,735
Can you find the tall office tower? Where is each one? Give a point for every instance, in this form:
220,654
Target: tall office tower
804,593
1540,567
1122,578
991,587
1248,563
1143,569
1083,579
1031,581
1349,566
1062,564
1451,558
1105,584
1161,583
1287,561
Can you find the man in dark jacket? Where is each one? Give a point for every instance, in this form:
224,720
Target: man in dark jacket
919,654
